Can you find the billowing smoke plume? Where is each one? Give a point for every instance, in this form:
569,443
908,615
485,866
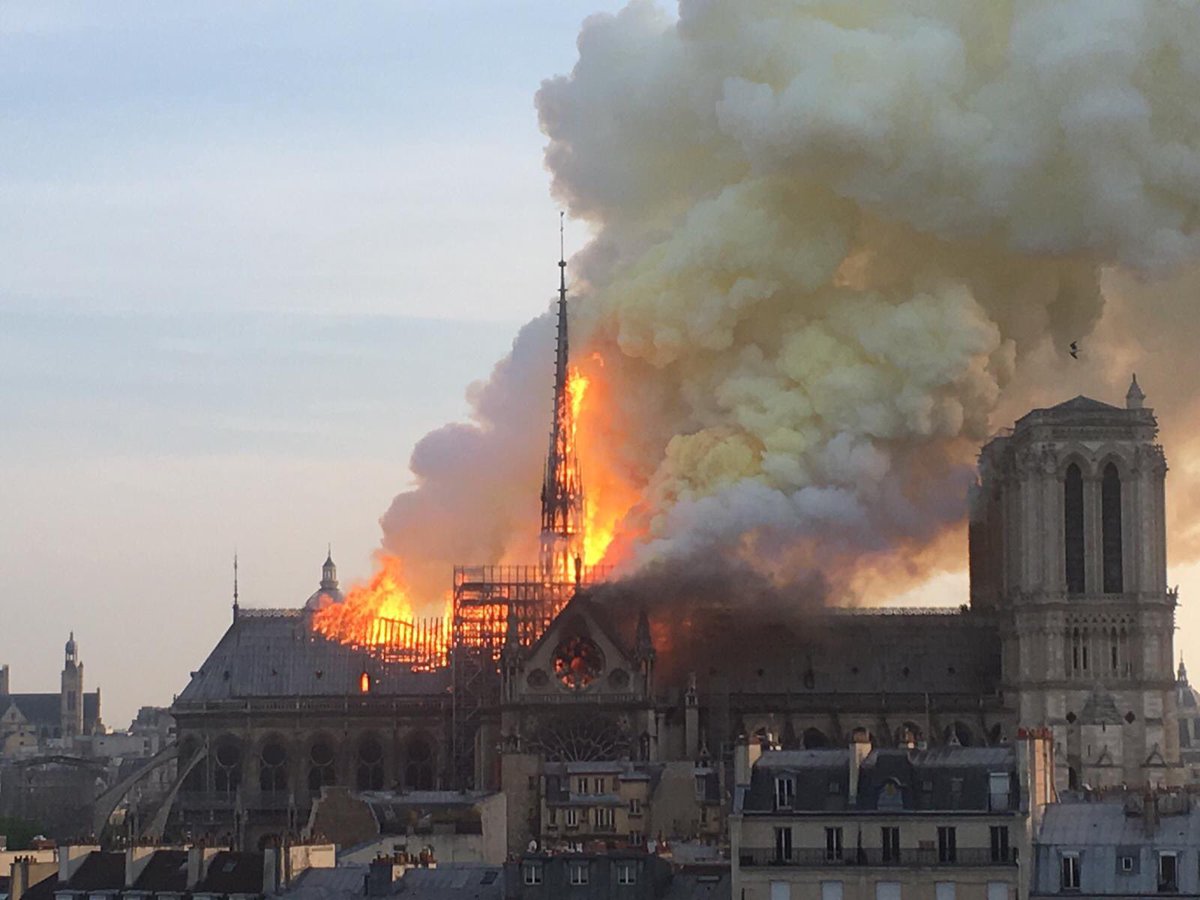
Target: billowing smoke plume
832,240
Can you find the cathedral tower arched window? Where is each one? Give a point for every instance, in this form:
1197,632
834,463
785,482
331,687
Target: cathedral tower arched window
1073,529
418,771
227,771
369,771
320,764
272,771
1110,524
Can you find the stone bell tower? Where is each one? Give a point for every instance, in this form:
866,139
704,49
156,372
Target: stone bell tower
71,696
1068,549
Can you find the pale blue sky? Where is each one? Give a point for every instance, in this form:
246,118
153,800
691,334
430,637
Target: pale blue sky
249,253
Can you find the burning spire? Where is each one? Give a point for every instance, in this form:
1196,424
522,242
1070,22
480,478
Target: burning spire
562,488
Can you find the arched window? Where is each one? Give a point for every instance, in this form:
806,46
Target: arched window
1076,662
1110,524
958,733
418,770
1114,652
369,771
272,770
227,768
1073,528
320,764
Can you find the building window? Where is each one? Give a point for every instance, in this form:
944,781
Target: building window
785,792
890,839
1168,872
1070,872
604,817
1073,528
272,770
943,890
947,844
1126,864
1110,528
552,817
999,835
635,806
637,839
577,870
369,771
626,873
997,890
532,872
998,790
701,787
887,890
572,817
320,765
781,890
833,843
783,845
583,786
831,890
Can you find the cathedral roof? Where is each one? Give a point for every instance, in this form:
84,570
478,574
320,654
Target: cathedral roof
274,653
46,709
1084,404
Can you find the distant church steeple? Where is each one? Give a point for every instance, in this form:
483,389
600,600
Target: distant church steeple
329,579
71,696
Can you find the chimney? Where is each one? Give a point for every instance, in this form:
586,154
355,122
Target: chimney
1150,812
4,680
741,761
1035,771
136,859
270,873
71,858
860,749
198,859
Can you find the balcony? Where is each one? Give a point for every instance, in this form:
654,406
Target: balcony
875,856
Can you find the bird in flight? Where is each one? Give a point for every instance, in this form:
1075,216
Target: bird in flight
1074,350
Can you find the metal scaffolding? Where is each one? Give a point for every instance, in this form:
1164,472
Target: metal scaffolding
483,598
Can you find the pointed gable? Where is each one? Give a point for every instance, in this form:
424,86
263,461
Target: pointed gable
580,652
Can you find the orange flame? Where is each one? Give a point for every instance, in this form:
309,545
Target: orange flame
379,614
608,497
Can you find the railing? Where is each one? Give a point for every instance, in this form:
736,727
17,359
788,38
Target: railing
875,856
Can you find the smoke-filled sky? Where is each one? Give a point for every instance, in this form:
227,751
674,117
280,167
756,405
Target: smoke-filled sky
250,253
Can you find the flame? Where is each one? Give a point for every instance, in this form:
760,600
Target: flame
609,497
379,615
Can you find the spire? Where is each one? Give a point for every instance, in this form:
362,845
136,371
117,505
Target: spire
562,487
1134,398
71,650
235,585
1181,677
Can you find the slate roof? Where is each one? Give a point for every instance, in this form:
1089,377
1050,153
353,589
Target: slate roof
454,881
45,710
944,778
328,884
100,871
276,654
233,873
165,871
1106,823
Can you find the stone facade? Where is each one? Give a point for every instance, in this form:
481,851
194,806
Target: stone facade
1068,547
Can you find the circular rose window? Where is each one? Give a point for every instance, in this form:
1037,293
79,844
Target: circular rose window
578,662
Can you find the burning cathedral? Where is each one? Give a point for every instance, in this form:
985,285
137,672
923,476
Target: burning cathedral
535,676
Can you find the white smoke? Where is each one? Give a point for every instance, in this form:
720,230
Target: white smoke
828,236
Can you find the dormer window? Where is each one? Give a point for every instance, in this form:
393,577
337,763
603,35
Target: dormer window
785,792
